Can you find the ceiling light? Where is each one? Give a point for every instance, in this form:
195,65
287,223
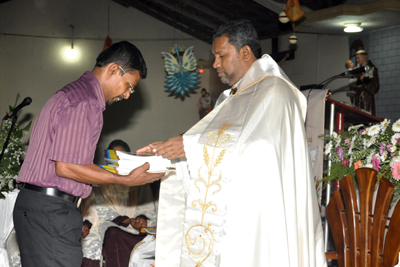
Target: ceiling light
352,27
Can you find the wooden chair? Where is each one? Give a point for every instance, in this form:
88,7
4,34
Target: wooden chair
359,233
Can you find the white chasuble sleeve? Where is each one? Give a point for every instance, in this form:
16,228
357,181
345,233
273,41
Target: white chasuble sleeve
273,217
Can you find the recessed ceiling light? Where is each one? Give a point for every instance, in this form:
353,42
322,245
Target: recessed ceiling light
352,27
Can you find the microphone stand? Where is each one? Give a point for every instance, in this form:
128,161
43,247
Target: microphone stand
328,81
8,136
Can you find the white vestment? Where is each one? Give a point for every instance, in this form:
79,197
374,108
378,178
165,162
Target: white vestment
244,195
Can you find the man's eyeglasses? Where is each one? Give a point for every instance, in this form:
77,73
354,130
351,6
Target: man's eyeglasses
130,85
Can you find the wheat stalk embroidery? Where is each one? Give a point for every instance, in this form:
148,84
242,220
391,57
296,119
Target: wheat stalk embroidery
202,234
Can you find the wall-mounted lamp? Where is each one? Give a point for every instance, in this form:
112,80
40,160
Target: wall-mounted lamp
70,53
72,36
352,27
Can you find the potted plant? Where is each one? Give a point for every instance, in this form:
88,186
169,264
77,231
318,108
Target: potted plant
375,146
11,161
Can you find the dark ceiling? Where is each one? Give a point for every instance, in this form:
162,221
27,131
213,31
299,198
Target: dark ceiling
199,18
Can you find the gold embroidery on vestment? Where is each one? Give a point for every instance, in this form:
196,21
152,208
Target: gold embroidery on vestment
206,240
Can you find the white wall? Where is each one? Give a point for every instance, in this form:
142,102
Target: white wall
317,58
33,66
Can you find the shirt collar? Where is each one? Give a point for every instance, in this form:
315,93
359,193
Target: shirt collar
236,84
91,78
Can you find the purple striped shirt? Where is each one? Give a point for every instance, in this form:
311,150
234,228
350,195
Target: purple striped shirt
67,130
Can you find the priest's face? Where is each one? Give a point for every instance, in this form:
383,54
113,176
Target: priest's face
227,62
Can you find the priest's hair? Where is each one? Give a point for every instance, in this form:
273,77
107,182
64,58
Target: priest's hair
240,33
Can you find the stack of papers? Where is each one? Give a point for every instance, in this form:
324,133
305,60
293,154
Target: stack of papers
123,162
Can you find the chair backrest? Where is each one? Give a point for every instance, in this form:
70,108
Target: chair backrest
358,232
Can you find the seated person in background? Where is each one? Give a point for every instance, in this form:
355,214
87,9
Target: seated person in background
116,214
86,228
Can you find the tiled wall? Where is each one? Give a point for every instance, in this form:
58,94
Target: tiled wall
383,47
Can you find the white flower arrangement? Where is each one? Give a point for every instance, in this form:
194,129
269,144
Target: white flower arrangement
11,161
374,147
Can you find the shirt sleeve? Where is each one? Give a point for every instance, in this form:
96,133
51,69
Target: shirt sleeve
74,134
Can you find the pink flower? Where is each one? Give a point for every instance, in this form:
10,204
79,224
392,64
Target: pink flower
396,170
345,162
339,151
348,142
361,131
375,163
381,148
392,154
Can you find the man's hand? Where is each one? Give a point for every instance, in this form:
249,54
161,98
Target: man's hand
170,149
93,174
140,176
139,222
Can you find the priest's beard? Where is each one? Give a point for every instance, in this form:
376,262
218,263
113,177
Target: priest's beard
225,78
235,76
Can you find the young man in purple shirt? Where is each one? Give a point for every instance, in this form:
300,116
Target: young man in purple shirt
59,169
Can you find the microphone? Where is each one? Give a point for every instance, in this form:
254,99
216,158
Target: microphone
356,71
27,101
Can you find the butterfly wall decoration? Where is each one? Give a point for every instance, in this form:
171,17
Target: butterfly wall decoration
182,77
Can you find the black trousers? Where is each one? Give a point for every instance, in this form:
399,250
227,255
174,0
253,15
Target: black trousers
48,230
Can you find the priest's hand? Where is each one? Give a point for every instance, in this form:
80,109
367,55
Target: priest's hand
140,176
170,149
149,149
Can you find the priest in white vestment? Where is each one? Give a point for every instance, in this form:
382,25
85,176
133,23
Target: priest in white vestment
243,192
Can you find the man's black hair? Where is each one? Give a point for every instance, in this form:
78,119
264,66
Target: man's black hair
118,142
240,33
125,55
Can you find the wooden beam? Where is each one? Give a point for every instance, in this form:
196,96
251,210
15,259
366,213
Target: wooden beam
259,10
353,10
182,12
173,19
203,8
